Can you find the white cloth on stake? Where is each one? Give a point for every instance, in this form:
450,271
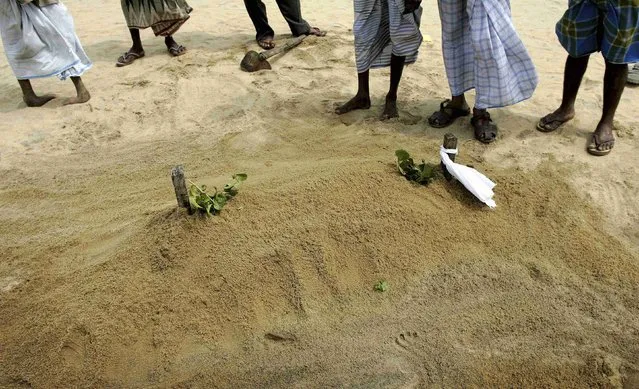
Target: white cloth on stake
476,183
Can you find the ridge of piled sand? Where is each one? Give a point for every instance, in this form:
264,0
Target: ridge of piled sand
104,284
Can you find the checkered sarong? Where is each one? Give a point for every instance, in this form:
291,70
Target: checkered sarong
382,29
609,26
483,51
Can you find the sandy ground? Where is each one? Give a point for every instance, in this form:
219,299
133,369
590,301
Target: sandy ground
104,284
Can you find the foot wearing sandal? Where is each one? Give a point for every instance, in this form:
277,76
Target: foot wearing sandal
602,140
130,56
485,129
553,121
449,111
266,43
174,48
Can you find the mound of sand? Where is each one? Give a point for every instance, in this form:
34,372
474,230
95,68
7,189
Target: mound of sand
104,284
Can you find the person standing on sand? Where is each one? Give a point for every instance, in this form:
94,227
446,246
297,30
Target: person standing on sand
588,26
482,51
40,41
165,17
292,12
386,34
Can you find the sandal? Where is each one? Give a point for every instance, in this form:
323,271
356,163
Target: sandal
485,129
128,58
546,124
446,115
177,50
595,146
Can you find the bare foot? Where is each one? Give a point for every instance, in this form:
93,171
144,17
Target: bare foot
82,93
357,102
82,97
266,43
553,121
317,32
390,109
37,101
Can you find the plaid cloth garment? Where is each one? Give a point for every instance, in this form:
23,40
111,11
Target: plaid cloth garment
483,51
381,28
609,26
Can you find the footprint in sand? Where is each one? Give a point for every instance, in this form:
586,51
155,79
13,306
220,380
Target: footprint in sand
406,340
75,347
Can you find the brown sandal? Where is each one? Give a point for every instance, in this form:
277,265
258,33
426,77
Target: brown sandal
446,115
485,129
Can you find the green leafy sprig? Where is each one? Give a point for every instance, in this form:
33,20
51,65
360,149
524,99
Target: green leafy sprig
200,201
422,174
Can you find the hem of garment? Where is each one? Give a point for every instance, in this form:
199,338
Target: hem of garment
516,101
178,20
408,62
625,62
60,72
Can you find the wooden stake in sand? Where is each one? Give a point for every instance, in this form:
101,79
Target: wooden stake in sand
450,143
179,183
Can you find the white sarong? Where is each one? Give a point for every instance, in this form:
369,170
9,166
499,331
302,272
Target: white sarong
382,29
41,42
483,51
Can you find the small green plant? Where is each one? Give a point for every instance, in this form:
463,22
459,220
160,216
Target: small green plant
381,286
422,174
199,200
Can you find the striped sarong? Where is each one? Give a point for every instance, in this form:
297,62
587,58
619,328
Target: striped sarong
609,26
41,41
483,51
165,17
382,29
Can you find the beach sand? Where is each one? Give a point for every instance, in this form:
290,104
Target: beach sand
104,284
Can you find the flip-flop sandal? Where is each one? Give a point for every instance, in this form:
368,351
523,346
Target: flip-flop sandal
266,44
551,125
177,50
128,58
446,115
595,145
485,129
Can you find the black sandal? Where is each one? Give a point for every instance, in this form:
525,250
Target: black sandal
446,115
485,129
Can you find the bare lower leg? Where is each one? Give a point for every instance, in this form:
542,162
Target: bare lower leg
82,94
30,98
458,102
397,69
362,99
573,75
137,42
614,84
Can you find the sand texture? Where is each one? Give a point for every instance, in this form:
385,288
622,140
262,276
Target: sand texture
103,284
